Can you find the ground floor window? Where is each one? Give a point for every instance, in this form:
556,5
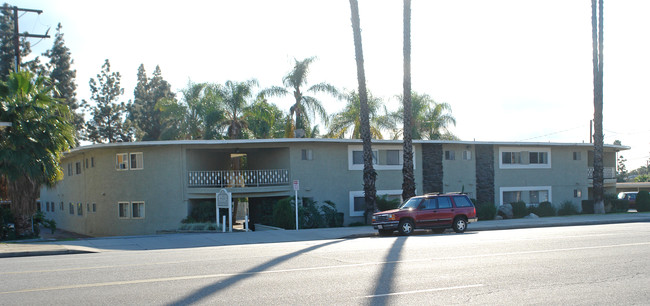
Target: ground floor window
123,210
358,203
138,210
529,195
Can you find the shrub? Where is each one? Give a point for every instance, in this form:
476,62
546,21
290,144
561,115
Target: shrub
202,212
331,217
544,209
384,204
308,215
486,211
620,205
643,201
519,209
51,224
587,206
283,214
356,224
567,208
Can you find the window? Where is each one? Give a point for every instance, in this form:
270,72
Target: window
577,193
122,162
577,156
357,157
393,157
137,210
80,209
123,210
136,161
450,155
78,167
511,197
462,202
444,202
94,207
467,155
538,196
307,154
511,157
69,169
71,208
87,207
538,157
358,204
61,206
86,163
429,203
92,162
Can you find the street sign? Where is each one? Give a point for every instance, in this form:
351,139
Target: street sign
296,185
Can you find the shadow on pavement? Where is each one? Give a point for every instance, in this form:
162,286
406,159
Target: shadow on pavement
385,282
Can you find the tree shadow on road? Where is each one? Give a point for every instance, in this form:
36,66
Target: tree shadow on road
386,281
205,292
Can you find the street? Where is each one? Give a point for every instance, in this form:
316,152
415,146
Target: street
597,264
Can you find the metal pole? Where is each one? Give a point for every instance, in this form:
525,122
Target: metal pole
296,209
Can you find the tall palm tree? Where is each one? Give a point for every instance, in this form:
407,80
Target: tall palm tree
430,120
204,112
350,117
234,96
408,185
31,148
369,173
597,39
294,83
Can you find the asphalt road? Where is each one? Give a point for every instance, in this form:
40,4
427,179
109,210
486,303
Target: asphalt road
597,264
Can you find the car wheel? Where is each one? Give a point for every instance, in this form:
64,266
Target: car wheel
460,225
438,230
406,227
384,233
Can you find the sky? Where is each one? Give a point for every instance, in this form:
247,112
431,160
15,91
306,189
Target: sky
511,70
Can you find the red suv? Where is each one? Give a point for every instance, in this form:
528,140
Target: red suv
430,211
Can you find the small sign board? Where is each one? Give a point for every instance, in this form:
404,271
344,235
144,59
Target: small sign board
296,185
223,199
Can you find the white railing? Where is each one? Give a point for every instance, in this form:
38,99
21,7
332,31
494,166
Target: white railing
608,173
238,178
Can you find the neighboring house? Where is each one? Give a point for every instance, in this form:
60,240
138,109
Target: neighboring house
144,187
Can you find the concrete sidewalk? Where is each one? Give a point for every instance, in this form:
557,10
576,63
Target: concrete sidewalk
194,240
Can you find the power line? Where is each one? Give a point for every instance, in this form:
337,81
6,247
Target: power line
553,133
17,33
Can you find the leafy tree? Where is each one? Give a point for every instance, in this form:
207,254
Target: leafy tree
31,148
265,120
642,178
294,83
63,77
234,96
408,185
107,123
430,120
173,116
143,112
350,117
621,170
369,173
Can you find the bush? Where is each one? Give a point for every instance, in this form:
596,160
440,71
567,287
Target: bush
384,204
567,208
308,215
620,205
283,214
486,211
202,212
331,217
587,206
519,209
643,201
544,209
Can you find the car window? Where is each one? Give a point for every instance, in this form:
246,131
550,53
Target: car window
430,204
462,202
444,202
632,196
411,203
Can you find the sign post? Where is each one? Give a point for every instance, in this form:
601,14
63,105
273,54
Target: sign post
296,186
224,200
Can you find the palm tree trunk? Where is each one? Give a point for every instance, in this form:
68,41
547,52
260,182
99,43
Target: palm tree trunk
408,185
23,193
369,174
597,39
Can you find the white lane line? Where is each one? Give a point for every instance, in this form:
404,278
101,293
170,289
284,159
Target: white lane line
424,291
190,277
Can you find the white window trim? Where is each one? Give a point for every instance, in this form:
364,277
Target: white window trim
524,166
141,167
533,188
356,194
117,164
377,148
143,210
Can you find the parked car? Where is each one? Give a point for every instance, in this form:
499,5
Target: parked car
630,196
430,211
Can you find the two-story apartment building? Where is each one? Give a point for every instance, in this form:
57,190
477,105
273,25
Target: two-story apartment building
145,187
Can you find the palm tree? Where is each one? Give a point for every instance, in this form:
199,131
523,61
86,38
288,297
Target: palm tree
408,185
265,120
369,173
430,120
204,111
350,117
294,82
597,38
234,96
31,148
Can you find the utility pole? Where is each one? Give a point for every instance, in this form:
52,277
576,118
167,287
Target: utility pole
17,35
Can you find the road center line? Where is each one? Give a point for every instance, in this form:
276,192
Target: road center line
424,291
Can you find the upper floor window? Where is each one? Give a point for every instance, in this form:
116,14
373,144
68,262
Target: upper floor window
78,167
520,157
450,155
467,155
383,157
126,161
121,161
137,161
69,169
577,156
307,154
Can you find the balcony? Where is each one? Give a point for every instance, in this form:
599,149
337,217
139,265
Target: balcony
608,173
238,178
